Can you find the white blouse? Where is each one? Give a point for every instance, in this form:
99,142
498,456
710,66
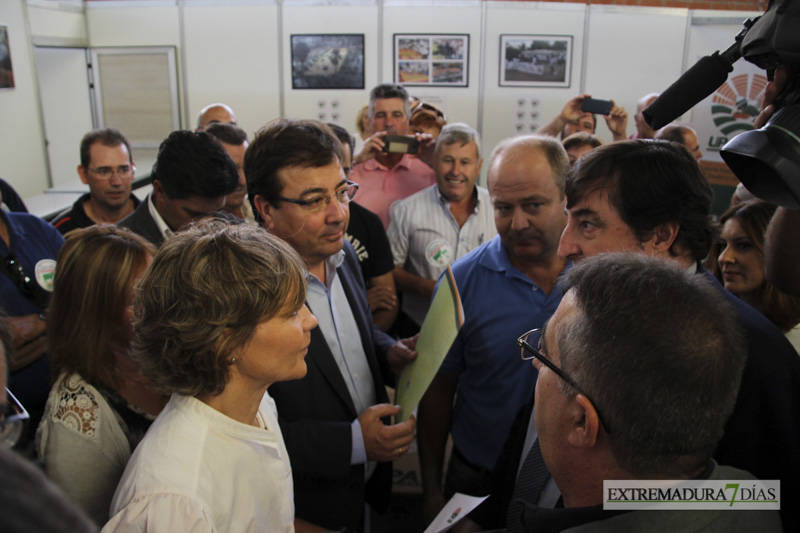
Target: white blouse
199,470
83,444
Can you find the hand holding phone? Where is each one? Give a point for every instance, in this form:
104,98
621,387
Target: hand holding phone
400,144
594,105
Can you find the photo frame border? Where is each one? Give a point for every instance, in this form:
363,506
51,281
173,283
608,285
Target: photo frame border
292,52
556,84
396,59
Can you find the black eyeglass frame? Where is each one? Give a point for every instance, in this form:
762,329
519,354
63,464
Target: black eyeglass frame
536,354
349,186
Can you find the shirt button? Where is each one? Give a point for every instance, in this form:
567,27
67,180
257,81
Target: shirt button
535,288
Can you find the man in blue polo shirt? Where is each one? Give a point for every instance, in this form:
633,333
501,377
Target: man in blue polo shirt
29,247
507,286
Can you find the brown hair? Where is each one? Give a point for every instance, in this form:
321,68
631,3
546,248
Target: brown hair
94,277
581,138
286,143
208,288
754,216
363,112
649,183
110,137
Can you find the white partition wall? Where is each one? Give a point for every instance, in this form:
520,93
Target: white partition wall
239,52
632,52
139,23
509,110
460,17
23,159
232,56
339,106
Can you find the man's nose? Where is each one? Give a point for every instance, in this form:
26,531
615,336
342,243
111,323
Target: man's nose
567,247
519,219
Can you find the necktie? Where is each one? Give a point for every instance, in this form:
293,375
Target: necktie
532,478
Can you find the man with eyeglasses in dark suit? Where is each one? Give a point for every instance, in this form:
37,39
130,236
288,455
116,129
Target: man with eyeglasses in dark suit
335,420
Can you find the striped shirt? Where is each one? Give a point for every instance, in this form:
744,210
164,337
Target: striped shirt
425,238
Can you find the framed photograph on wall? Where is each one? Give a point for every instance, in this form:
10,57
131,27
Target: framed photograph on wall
437,60
6,70
535,60
328,61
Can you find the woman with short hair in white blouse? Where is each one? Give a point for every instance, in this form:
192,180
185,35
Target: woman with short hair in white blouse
220,317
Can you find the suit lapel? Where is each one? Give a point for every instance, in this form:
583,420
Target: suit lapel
322,357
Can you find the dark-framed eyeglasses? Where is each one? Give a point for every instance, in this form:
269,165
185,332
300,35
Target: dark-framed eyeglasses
527,341
123,171
318,202
17,274
14,418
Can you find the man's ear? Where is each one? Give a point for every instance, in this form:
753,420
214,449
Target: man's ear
663,237
82,174
264,209
158,192
585,423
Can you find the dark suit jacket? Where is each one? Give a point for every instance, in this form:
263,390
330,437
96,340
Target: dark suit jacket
141,223
762,435
491,514
315,415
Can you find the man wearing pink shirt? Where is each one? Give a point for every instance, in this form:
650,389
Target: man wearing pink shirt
384,177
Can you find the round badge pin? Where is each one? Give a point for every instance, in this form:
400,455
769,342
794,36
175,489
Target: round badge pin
45,271
438,252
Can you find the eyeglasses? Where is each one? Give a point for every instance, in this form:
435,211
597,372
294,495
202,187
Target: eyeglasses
527,341
13,421
17,274
123,171
318,202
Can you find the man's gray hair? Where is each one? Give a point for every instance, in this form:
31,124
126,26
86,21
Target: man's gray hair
388,90
660,352
458,132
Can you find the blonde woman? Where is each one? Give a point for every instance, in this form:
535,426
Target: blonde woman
100,406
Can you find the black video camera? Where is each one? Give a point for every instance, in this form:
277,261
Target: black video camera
766,160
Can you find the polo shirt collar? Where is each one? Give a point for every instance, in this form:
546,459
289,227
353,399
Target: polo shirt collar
405,163
497,259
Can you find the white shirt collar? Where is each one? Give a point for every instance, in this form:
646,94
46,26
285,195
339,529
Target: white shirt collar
162,226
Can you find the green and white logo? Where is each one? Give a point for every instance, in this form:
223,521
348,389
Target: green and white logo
734,107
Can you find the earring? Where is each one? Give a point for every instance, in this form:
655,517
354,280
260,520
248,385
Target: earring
232,360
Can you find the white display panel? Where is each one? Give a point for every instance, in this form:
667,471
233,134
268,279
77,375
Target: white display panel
632,52
339,106
508,111
232,57
460,104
